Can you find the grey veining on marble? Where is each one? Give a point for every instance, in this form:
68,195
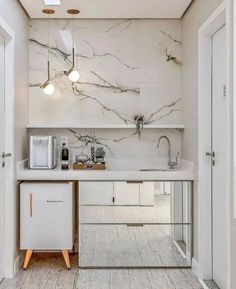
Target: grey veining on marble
118,143
127,67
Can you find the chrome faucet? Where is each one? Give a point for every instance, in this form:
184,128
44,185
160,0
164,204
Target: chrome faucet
170,163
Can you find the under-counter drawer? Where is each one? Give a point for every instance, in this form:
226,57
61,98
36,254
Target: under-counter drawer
47,216
127,193
96,193
147,192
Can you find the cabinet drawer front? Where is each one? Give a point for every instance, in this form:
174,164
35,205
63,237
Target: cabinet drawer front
127,194
46,216
147,194
96,193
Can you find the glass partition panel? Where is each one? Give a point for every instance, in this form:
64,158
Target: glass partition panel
144,224
135,246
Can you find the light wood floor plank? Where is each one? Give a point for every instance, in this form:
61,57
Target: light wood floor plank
47,271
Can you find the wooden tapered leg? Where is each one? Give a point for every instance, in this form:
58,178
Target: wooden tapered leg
28,255
66,258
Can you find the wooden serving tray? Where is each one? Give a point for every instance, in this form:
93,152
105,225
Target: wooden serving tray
80,166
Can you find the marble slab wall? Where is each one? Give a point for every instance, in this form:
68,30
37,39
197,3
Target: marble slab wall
118,143
128,68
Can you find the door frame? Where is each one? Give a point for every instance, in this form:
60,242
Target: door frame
218,19
10,174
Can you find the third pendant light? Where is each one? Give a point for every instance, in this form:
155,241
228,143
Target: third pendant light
72,73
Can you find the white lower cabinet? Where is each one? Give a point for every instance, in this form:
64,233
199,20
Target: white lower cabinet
126,194
116,193
147,192
47,216
96,193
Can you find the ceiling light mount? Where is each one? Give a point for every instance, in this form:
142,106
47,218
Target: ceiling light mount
73,11
48,11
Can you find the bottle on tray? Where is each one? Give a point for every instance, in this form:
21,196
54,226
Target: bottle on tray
64,157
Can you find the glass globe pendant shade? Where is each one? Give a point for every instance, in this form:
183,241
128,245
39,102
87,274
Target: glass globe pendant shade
74,76
49,88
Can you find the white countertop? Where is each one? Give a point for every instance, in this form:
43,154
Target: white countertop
117,170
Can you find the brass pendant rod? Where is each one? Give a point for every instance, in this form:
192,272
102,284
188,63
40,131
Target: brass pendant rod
49,70
73,12
73,51
48,12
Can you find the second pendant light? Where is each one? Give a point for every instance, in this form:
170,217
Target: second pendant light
72,73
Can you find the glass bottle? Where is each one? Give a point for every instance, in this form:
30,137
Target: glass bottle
64,157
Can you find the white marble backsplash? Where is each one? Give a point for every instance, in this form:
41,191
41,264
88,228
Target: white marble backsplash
128,67
118,143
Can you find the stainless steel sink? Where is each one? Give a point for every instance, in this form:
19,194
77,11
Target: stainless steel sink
157,170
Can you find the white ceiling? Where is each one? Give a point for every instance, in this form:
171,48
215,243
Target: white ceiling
111,8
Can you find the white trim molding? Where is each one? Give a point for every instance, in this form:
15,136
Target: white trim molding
18,263
10,183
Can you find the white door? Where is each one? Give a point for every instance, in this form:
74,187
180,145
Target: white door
2,141
220,147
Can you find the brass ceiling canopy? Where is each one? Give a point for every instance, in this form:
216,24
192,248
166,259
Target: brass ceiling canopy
73,11
48,11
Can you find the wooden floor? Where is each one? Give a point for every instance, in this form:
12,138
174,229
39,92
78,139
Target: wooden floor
47,271
211,284
114,245
109,246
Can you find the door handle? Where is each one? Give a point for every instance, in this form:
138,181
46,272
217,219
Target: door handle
31,205
210,154
6,155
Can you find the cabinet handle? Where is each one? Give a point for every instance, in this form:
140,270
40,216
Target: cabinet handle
134,182
134,225
31,205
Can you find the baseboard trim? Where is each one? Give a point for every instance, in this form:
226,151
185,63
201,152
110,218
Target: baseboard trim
195,267
203,284
179,249
17,264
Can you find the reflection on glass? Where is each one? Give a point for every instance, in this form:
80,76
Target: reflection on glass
157,235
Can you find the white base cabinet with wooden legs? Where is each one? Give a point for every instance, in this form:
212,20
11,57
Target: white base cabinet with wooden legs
47,218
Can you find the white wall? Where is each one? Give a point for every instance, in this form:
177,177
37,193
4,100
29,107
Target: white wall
12,12
196,15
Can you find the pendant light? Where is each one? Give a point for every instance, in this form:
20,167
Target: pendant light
47,87
72,73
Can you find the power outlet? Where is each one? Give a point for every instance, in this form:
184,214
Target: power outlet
64,139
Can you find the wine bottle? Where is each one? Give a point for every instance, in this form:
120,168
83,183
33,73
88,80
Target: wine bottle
64,157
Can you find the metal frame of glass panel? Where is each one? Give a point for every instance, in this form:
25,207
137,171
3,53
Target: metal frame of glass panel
143,224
